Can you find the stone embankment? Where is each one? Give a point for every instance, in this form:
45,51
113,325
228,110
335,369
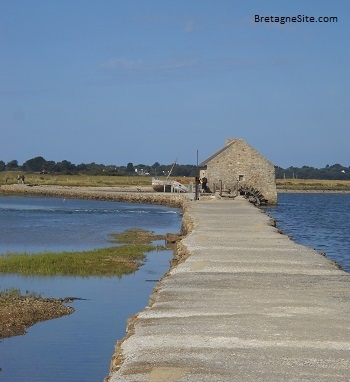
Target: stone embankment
116,194
242,302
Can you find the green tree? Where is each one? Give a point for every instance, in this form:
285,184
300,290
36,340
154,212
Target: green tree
36,164
130,168
82,167
12,165
65,166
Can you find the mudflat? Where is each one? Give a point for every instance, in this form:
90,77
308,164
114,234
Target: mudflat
18,313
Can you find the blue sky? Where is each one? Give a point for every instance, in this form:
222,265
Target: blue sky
118,81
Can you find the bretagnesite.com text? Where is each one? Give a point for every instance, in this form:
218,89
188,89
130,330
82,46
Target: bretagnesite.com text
295,19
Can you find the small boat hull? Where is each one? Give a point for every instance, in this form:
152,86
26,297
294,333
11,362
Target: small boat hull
168,186
161,185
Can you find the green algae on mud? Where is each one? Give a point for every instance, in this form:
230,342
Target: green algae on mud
111,261
135,236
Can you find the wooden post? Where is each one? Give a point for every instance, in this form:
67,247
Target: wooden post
196,188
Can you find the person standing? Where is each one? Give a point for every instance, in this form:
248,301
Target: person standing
204,184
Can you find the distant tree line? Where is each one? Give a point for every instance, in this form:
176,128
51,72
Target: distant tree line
43,166
334,172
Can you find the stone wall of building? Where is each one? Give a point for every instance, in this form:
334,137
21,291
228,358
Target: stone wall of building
240,164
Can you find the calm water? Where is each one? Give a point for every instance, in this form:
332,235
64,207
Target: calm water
77,347
320,221
39,224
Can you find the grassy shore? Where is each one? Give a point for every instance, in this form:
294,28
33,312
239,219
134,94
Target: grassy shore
10,177
110,261
18,312
313,185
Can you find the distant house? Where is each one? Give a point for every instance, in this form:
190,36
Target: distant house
238,166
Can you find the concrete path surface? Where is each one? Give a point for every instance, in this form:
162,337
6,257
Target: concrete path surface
248,304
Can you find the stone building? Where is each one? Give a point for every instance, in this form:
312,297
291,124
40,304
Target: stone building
238,167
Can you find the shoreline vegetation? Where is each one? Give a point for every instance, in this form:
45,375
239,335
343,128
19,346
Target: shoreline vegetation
18,312
76,180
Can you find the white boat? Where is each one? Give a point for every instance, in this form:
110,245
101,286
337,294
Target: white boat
168,185
161,185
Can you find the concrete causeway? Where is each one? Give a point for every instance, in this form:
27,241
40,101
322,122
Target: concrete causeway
248,304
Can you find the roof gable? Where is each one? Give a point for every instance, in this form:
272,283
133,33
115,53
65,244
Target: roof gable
229,143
